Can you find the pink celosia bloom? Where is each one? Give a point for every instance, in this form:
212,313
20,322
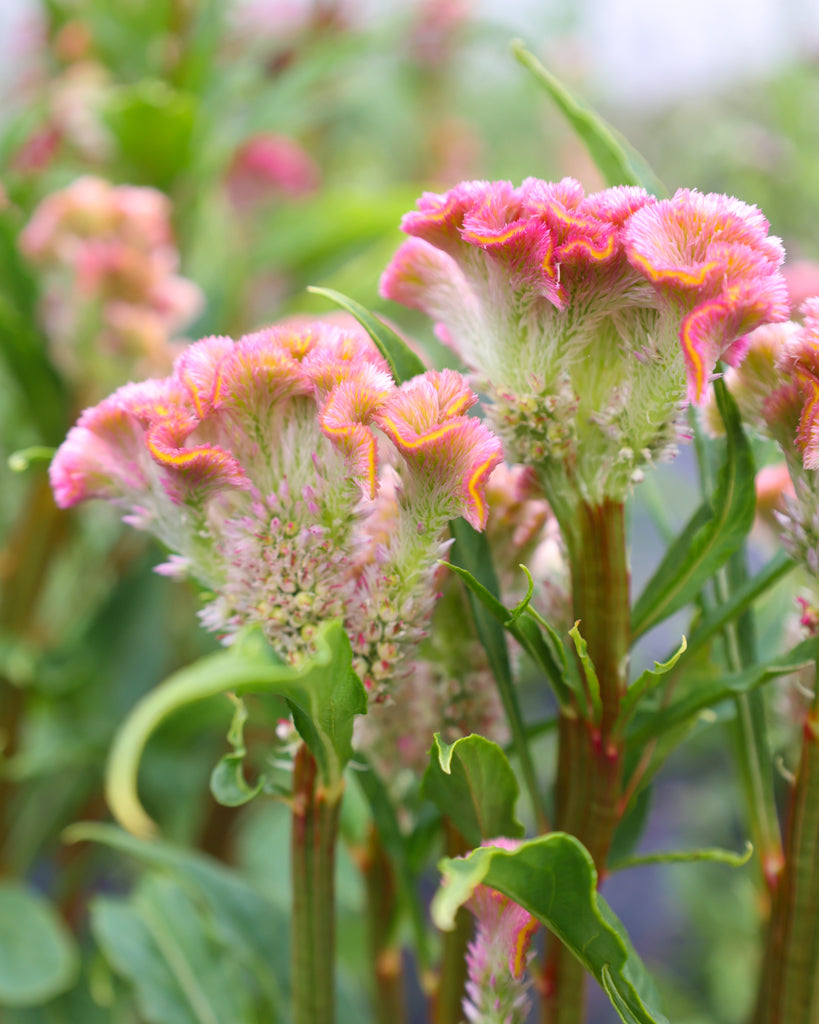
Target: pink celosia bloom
258,464
497,957
111,264
588,320
268,166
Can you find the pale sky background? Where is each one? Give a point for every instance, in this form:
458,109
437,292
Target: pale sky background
641,53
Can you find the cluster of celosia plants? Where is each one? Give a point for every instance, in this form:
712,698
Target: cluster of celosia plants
114,294
299,484
259,464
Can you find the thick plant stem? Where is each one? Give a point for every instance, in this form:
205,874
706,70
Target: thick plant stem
384,954
447,1002
789,985
312,849
590,763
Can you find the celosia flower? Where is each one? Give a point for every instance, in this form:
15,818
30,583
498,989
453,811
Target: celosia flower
113,291
588,320
497,957
268,166
258,463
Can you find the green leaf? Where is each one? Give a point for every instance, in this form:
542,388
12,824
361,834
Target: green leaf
38,957
403,362
595,712
553,877
644,684
617,161
472,783
240,917
227,781
324,695
709,691
712,853
159,941
153,125
713,534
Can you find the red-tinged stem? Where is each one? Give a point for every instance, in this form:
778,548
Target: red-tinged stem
789,984
315,815
590,760
447,1000
384,954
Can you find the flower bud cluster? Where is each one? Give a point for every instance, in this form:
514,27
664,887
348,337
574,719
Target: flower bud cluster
290,477
113,287
589,321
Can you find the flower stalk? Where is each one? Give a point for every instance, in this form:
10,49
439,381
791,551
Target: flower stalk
590,764
789,987
315,817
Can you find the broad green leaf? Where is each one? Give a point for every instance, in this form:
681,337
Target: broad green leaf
553,877
324,695
472,783
711,853
710,691
159,941
227,781
240,917
614,157
713,534
403,362
153,125
38,957
644,684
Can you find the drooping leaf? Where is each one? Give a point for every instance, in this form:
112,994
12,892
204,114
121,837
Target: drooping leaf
403,362
711,536
38,956
618,161
592,688
472,783
553,877
239,916
324,695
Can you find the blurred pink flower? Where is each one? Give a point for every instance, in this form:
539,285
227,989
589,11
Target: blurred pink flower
268,166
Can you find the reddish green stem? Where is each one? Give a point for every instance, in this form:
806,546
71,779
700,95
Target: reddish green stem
447,1001
384,953
789,984
590,762
313,843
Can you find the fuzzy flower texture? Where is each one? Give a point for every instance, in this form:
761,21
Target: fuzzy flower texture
291,478
589,320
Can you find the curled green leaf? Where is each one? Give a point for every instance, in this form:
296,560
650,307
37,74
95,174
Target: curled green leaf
710,853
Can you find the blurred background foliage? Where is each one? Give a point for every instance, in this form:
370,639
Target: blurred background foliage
289,139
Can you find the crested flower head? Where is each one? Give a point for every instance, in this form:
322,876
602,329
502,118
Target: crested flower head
588,320
497,957
258,463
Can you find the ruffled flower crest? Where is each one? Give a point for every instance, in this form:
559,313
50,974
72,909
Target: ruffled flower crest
258,463
568,309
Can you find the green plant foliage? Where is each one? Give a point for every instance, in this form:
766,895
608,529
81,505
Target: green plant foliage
472,783
38,956
554,878
324,694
